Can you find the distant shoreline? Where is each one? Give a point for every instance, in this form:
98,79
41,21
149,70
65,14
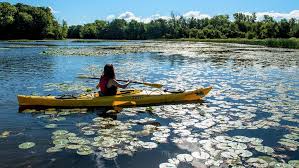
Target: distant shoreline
292,43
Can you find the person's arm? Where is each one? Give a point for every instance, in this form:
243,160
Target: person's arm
116,84
98,85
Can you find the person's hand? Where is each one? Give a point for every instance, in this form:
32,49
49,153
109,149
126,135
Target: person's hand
129,81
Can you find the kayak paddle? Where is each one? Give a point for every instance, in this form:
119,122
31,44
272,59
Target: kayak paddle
156,85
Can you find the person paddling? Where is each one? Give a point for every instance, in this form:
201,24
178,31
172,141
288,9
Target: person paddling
108,84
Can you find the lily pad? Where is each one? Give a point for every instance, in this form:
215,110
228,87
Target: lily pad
167,165
72,146
109,155
149,145
26,145
53,150
264,149
184,157
200,155
4,134
51,126
60,132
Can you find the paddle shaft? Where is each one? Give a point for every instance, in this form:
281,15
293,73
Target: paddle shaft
121,80
144,83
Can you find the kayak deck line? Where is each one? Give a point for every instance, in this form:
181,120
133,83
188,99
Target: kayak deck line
123,98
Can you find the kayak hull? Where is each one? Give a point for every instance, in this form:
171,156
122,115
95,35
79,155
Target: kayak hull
135,98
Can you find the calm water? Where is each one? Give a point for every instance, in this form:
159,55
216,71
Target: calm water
255,95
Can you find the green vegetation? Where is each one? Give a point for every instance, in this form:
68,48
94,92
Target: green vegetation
22,21
282,43
26,22
218,27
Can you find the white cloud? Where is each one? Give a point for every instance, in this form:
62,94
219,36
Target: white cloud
276,15
196,15
110,17
53,11
155,17
128,16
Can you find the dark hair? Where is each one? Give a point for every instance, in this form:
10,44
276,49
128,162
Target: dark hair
108,71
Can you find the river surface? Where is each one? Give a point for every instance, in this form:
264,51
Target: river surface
250,118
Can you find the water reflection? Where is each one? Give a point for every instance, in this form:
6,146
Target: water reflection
249,119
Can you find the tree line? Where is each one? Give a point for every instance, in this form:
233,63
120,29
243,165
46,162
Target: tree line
242,26
22,21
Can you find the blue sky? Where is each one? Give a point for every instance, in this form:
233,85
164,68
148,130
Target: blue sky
84,11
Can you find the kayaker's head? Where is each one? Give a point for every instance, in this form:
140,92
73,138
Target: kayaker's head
109,71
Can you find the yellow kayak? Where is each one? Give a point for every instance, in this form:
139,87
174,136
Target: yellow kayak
123,98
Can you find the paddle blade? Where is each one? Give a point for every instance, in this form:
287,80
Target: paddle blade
124,103
87,77
155,85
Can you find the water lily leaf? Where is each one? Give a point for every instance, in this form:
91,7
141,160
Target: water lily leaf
109,155
53,150
71,146
26,145
264,149
200,155
184,157
149,145
60,132
167,165
4,134
61,141
51,126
